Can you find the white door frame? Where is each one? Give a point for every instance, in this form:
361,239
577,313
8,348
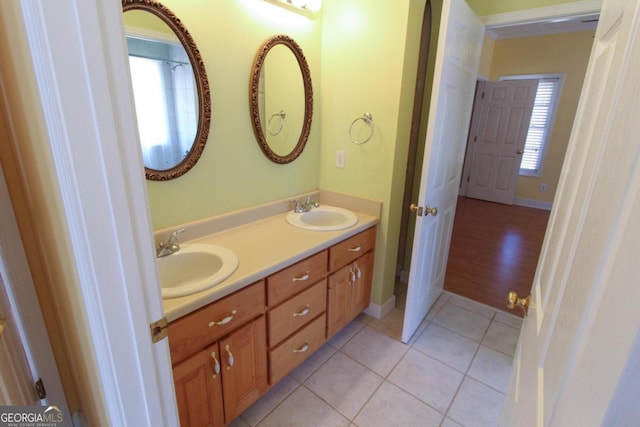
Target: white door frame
79,55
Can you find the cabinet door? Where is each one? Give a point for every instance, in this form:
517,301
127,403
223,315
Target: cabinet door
339,300
199,389
361,288
244,367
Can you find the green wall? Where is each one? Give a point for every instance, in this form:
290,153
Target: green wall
232,172
494,7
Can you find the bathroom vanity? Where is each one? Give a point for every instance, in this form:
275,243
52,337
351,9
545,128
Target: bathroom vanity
293,290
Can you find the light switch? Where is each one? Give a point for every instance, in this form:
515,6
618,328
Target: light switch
340,158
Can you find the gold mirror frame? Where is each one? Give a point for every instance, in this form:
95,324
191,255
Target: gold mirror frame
202,87
254,101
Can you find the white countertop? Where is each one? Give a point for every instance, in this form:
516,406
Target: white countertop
263,247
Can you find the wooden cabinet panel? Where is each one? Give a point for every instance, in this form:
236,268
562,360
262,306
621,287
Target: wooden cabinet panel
338,305
284,358
199,390
291,315
244,367
202,327
361,288
296,278
348,250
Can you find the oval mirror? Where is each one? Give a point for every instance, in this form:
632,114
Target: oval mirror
281,99
170,87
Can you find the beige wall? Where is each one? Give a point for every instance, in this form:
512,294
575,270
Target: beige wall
566,54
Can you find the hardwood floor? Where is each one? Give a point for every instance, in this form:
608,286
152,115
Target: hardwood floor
494,250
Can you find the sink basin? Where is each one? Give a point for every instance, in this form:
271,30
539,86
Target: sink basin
194,268
323,218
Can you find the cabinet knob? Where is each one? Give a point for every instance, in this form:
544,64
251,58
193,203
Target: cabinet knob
216,364
230,357
224,321
303,312
302,349
302,278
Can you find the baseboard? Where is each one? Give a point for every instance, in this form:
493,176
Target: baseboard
531,203
379,311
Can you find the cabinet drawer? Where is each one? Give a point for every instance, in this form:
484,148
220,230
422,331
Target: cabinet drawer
344,252
296,349
293,279
294,313
202,327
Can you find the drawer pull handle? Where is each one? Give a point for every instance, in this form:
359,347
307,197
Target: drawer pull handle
224,321
303,312
356,249
230,358
359,273
302,278
353,275
216,364
302,349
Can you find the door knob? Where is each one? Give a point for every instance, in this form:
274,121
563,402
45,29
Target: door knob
513,300
432,211
415,208
519,151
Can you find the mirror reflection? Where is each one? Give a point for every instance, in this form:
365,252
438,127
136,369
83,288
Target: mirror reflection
170,89
281,99
165,98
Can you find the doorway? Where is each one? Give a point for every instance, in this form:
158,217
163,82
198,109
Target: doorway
406,230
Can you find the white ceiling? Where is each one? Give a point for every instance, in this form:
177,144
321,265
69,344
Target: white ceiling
558,25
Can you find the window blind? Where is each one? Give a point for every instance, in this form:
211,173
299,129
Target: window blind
539,126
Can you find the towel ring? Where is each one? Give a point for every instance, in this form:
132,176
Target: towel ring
282,115
368,119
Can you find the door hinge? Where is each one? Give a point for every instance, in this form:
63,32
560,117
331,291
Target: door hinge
42,393
482,95
159,329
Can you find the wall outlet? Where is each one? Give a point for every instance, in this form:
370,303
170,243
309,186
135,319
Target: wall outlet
543,188
340,158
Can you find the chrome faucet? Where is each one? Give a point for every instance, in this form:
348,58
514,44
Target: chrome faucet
170,246
304,206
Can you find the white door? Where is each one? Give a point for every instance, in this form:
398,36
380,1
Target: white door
498,143
584,313
457,57
25,352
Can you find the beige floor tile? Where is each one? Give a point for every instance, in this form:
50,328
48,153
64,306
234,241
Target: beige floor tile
344,383
502,337
508,319
491,368
446,346
391,324
391,406
476,307
427,379
375,350
435,308
309,366
462,321
476,405
239,422
303,408
448,422
256,412
341,338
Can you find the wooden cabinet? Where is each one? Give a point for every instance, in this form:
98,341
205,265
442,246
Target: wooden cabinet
228,353
219,355
350,286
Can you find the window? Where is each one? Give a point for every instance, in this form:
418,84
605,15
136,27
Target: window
544,109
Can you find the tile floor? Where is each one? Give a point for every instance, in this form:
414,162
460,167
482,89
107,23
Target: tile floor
454,372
